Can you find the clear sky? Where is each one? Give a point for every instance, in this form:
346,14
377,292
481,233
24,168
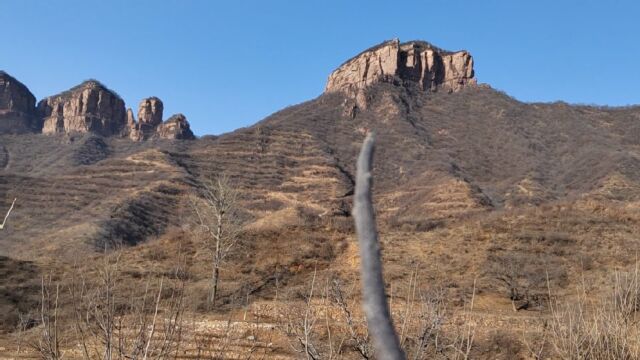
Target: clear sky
228,64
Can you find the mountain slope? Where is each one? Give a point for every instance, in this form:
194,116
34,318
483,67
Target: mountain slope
469,183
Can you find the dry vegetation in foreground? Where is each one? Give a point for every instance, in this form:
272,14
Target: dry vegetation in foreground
156,300
508,232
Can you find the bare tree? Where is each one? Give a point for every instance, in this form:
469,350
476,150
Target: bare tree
4,222
47,346
219,223
360,339
111,324
375,304
304,324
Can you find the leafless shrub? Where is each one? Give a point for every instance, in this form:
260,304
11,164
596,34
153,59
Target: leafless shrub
525,276
335,327
305,328
24,323
48,343
107,321
357,329
427,338
110,324
460,343
597,328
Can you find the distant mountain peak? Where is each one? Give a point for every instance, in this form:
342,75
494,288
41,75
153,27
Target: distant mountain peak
17,105
418,62
89,107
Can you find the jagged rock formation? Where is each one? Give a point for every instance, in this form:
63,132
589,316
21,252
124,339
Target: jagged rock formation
176,127
17,105
150,112
415,62
131,120
88,107
132,130
150,123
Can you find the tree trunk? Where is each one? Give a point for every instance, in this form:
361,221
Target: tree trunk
217,258
214,285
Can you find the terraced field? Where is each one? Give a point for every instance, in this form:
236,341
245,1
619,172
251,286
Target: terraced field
471,188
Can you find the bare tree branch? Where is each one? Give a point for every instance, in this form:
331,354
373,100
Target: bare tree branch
375,304
7,216
216,209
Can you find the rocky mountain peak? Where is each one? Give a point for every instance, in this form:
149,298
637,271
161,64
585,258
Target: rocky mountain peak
88,107
150,111
14,95
17,105
150,125
418,62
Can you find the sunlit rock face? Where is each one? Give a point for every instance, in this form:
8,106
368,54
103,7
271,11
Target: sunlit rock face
419,62
176,127
88,107
17,106
150,112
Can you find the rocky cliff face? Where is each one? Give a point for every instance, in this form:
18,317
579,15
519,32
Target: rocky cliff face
150,112
176,127
150,123
88,107
91,107
418,62
17,106
132,130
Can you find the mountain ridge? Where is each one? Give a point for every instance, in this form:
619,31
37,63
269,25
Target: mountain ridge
467,183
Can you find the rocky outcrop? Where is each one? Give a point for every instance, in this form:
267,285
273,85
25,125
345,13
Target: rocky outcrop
150,112
88,107
132,130
150,123
176,127
131,120
417,62
17,106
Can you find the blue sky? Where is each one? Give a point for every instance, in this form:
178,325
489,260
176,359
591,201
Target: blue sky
228,64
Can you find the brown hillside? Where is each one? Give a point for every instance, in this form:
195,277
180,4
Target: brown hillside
470,184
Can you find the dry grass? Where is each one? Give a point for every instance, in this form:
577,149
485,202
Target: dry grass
473,185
